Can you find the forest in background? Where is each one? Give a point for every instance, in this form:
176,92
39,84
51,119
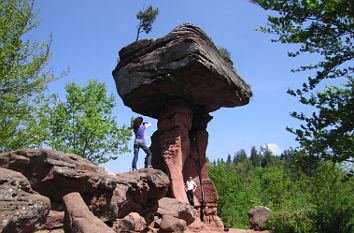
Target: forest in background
304,196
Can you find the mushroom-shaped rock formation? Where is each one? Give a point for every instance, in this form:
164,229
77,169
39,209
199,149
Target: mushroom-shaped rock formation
178,79
184,65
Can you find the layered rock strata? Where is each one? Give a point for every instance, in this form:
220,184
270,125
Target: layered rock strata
55,174
139,191
137,203
179,79
21,209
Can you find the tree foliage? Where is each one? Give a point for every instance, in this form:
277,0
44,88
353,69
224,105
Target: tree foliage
22,72
318,202
84,124
146,18
325,28
255,157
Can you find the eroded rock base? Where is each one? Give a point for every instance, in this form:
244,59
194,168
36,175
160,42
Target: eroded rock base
179,149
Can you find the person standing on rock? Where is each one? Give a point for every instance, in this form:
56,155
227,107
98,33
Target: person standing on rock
139,127
190,189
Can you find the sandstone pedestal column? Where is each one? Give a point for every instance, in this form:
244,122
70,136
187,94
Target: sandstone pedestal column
179,79
171,146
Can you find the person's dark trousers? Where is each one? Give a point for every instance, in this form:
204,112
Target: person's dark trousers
190,197
138,143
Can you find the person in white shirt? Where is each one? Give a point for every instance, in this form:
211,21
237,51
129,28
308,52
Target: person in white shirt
190,188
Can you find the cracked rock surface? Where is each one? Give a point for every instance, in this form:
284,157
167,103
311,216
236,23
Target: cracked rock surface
21,209
185,64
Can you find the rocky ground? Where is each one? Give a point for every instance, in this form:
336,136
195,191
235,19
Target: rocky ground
46,191
232,230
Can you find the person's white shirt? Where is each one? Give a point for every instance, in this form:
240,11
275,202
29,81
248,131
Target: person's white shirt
191,185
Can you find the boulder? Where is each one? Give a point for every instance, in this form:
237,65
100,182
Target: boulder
172,224
258,216
21,209
55,174
79,219
139,191
185,64
133,222
177,209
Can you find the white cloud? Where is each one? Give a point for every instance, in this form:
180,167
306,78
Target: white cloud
274,148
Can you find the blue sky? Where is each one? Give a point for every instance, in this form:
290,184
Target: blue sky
88,34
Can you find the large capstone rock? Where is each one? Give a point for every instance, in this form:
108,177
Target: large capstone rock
185,65
55,174
21,209
139,191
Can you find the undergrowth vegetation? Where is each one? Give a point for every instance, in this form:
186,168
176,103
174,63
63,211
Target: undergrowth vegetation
302,200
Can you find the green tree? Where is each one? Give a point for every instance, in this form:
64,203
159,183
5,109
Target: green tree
22,73
146,18
38,124
255,157
228,160
325,28
319,202
267,157
332,198
84,124
225,187
240,156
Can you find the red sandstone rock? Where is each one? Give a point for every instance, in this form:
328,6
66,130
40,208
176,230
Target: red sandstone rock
173,147
198,226
177,209
51,231
179,79
212,220
55,174
133,222
21,209
139,191
179,150
172,224
79,219
54,220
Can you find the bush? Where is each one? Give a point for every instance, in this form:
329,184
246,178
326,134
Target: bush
333,199
291,219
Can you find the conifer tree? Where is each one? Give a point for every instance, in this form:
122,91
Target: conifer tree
146,18
255,157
